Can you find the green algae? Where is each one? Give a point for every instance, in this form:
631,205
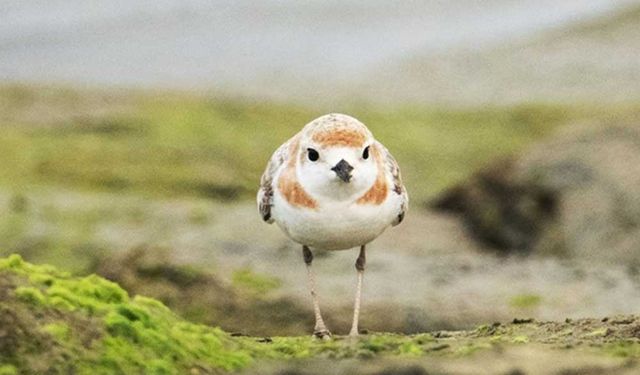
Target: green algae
141,335
60,331
599,332
30,295
525,301
246,279
520,339
132,335
623,349
53,321
173,144
246,304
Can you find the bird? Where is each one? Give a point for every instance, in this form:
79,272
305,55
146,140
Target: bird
333,186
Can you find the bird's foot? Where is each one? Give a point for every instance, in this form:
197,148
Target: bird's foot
355,333
323,334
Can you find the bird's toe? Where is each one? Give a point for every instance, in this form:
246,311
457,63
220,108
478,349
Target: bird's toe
323,334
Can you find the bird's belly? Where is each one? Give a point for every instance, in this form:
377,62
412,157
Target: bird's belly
334,227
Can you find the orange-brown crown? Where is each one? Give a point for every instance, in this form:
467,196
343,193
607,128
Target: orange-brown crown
337,130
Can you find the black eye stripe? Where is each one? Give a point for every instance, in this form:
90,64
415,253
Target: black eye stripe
313,154
365,153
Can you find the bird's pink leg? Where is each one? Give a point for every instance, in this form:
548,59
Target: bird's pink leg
320,329
360,263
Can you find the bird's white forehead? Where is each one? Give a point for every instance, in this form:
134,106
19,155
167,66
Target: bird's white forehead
337,130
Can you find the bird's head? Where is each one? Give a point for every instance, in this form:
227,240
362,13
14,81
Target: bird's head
337,157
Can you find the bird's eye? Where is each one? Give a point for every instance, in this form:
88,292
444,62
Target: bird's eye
313,154
365,153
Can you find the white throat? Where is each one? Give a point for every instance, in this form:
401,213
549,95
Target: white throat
324,183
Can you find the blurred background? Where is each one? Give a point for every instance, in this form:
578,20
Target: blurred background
133,135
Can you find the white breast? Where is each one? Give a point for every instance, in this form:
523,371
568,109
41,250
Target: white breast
335,225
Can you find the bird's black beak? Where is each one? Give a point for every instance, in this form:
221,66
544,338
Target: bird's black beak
343,170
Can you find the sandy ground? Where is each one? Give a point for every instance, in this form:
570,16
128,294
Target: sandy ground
430,267
426,271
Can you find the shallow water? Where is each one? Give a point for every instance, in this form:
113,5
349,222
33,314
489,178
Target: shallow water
233,44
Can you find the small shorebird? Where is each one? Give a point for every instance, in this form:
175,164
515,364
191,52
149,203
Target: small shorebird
332,186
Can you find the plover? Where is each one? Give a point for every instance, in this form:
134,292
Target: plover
332,186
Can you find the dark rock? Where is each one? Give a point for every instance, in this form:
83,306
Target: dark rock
500,211
576,194
522,321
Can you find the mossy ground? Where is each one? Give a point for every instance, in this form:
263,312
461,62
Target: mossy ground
62,324
196,145
52,321
158,145
179,145
243,304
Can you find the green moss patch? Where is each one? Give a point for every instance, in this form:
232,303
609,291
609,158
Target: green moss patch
254,283
52,321
100,328
201,296
178,144
525,301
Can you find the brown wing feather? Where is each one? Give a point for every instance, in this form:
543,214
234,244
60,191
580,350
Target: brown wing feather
398,186
265,193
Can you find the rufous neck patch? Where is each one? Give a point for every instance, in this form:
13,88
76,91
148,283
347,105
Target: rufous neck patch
288,184
340,137
377,194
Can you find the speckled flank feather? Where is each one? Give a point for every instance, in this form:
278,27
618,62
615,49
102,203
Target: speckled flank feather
265,193
398,187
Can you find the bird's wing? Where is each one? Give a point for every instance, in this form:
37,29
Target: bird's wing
398,187
265,193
